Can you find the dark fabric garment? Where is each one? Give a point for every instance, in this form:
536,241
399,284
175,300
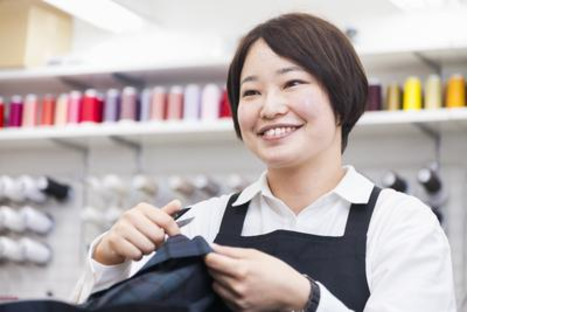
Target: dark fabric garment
176,275
174,280
337,262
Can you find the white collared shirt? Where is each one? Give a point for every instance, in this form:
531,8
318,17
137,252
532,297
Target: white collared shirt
408,261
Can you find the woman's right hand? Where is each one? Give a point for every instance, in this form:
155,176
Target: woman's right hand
138,232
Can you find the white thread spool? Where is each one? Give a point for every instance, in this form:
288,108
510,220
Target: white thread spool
115,185
181,185
145,184
12,219
192,102
31,190
34,251
12,190
210,102
11,250
37,221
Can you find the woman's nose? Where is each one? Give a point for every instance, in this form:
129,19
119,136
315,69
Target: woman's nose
274,105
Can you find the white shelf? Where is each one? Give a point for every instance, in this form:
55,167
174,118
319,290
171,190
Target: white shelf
60,79
371,123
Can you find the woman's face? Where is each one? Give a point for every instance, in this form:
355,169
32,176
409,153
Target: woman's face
284,113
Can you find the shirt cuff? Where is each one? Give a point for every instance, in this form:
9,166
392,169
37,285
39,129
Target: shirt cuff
105,276
328,302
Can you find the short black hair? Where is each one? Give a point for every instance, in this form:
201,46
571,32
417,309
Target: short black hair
322,50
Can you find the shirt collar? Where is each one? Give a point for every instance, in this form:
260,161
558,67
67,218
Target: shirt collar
354,188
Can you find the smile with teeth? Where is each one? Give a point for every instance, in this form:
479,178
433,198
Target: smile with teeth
276,133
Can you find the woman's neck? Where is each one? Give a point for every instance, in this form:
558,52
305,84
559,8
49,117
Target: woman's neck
299,187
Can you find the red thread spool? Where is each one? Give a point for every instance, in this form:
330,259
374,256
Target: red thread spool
90,107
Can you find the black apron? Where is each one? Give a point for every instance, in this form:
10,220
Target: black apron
337,262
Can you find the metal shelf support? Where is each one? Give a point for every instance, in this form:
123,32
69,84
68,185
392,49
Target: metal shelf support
136,147
436,137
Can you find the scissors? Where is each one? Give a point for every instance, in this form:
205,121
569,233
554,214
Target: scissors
177,215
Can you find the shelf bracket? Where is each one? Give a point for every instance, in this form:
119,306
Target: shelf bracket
128,80
436,67
138,148
436,137
75,84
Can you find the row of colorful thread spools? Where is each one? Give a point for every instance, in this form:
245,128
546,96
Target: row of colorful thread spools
191,102
413,97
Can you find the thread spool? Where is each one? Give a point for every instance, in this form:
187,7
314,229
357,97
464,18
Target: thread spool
61,110
115,185
16,110
92,215
128,110
192,102
1,112
412,98
37,221
374,98
53,188
145,184
393,98
210,98
206,185
30,115
236,182
91,109
430,180
48,110
433,92
11,250
225,108
394,181
181,185
12,190
175,103
12,219
112,214
35,252
30,188
159,104
145,111
112,100
74,107
456,96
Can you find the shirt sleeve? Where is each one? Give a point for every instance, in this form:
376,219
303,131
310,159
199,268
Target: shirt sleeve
328,302
96,276
408,260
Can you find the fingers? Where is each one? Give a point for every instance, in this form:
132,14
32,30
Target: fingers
151,230
126,249
160,216
233,252
172,207
228,296
223,264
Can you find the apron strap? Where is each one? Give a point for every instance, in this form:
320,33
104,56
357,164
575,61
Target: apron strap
233,219
359,216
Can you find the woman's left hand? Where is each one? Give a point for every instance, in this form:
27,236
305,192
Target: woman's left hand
250,280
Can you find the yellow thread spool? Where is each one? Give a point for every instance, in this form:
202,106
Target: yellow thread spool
456,92
393,97
412,98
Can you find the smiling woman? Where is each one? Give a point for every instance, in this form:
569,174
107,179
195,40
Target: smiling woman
311,233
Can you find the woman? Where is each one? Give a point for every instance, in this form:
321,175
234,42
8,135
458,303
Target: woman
310,233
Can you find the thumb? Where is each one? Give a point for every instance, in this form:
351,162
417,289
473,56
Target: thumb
172,207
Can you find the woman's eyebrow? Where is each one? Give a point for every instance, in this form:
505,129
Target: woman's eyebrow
280,71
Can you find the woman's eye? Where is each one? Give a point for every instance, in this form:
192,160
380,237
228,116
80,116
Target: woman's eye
249,93
293,83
